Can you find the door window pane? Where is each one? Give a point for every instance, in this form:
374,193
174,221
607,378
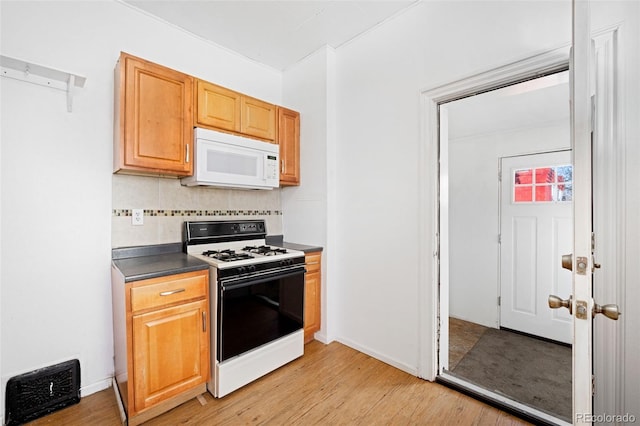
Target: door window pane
565,192
543,184
545,175
565,173
523,194
522,177
544,193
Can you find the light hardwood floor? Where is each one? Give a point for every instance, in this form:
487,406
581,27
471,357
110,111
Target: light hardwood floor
463,335
331,384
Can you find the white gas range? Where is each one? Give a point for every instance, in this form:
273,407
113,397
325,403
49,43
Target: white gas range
257,300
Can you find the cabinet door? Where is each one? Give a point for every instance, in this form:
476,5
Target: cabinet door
312,296
258,118
171,352
156,123
217,107
289,141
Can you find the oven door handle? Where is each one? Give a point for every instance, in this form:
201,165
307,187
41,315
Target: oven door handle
257,279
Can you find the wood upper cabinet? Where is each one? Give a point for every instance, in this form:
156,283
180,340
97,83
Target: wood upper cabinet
257,118
312,290
217,107
161,341
153,119
220,108
289,141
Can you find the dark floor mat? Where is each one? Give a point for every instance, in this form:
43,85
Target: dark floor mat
529,370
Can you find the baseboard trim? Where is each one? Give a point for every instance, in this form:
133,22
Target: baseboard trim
321,337
401,366
116,391
95,387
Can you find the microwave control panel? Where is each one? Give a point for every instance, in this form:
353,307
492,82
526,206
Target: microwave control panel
271,167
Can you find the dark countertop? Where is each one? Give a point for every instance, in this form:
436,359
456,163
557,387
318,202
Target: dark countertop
143,262
278,240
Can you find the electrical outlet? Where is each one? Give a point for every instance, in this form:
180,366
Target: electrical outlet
137,216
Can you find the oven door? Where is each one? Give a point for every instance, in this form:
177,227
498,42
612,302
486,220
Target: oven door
259,309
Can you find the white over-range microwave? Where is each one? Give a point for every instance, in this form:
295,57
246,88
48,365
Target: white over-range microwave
230,161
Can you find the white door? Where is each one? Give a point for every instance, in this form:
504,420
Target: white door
582,77
536,230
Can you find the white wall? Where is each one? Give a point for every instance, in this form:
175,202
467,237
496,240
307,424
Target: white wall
380,76
309,86
474,210
56,173
305,89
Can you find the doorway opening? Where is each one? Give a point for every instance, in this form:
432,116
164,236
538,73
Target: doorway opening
505,220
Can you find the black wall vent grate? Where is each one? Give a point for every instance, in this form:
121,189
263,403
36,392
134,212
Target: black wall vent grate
43,391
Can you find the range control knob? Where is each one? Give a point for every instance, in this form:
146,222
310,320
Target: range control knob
286,262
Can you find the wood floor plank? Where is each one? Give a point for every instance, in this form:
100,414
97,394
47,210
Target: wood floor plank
330,385
463,335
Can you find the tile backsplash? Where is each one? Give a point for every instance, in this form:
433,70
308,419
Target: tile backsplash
167,205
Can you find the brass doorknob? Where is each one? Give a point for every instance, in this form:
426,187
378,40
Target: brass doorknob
555,302
610,311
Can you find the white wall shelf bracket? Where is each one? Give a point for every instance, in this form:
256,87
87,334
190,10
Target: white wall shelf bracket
19,69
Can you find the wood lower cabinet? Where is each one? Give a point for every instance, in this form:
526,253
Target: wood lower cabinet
161,334
312,290
153,119
289,141
220,108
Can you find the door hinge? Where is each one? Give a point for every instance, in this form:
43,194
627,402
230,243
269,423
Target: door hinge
593,385
499,300
499,238
499,175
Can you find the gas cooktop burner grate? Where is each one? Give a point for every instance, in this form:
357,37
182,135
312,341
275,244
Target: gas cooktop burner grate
226,255
265,250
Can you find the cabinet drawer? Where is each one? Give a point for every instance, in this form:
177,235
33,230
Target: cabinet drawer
313,262
168,290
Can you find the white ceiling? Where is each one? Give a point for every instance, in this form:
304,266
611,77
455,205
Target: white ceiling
281,33
276,33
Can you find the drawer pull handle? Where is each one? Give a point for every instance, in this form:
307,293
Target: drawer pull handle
170,292
204,321
313,263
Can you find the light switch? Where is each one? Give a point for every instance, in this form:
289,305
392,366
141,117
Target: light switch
137,216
